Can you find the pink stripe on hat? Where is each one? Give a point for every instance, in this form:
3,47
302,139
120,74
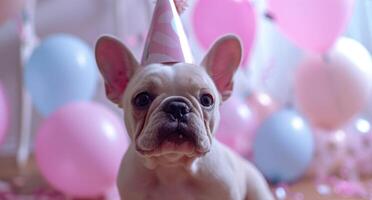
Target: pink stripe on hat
166,41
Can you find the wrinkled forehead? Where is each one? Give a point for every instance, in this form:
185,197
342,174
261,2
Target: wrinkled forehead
176,77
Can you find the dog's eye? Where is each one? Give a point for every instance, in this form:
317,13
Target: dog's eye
142,100
206,100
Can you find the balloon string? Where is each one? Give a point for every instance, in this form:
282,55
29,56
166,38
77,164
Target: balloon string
27,36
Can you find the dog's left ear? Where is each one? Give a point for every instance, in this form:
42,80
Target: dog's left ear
221,63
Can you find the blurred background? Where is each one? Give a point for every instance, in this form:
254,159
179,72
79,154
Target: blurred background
301,107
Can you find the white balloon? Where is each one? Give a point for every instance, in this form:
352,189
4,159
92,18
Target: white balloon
360,27
273,62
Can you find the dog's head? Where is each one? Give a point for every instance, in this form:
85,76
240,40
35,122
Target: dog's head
171,109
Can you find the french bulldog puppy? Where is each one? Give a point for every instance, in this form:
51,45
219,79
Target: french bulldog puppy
171,114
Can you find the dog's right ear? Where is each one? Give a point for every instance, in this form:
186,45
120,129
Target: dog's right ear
222,61
116,64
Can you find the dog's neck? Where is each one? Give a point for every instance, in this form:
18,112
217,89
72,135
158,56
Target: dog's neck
176,174
189,165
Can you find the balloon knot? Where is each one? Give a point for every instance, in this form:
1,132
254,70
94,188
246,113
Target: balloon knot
269,16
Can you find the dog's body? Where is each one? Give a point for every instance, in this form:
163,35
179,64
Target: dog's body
219,175
171,114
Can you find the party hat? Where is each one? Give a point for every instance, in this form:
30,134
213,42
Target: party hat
166,41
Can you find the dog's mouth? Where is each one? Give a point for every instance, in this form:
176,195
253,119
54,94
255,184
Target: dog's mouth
173,138
174,130
177,133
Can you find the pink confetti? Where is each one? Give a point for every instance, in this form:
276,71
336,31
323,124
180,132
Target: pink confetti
349,188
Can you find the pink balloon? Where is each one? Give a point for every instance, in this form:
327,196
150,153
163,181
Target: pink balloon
237,126
10,8
4,114
262,105
213,18
312,24
79,149
331,90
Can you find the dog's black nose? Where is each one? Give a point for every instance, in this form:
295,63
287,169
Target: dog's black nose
177,109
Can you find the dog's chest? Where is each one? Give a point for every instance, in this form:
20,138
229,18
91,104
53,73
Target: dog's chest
181,188
189,190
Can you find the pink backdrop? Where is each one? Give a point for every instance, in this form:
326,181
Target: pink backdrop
270,67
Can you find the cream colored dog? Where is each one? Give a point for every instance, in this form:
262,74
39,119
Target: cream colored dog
171,114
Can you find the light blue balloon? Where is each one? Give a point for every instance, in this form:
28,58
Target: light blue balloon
283,147
62,69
